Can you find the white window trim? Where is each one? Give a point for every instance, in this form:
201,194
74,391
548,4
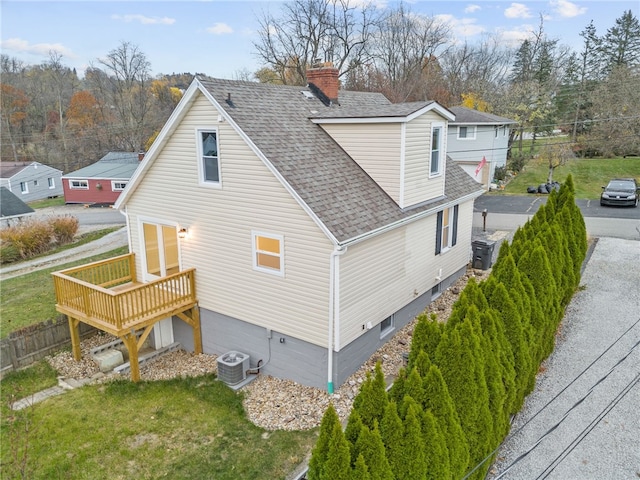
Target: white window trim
84,187
254,251
445,248
471,132
51,182
442,156
504,130
386,331
24,190
201,179
159,224
113,185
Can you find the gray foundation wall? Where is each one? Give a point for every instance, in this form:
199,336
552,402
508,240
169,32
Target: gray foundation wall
283,356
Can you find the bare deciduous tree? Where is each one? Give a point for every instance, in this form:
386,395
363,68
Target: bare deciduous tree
125,88
337,31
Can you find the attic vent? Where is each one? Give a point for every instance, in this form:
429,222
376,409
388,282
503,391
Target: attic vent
307,94
232,367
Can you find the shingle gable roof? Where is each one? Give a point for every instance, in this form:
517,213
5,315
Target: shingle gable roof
12,206
468,115
347,201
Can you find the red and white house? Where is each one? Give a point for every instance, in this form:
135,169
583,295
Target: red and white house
103,181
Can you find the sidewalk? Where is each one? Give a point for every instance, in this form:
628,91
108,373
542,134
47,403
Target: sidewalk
108,242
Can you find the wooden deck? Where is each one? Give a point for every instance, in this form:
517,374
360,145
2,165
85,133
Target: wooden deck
108,295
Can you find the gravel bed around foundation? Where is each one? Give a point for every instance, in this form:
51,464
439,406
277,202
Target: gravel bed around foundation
271,403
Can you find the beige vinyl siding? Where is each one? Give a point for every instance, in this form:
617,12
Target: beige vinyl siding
418,187
383,274
220,224
376,147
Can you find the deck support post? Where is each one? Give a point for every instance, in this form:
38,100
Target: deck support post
192,318
197,332
131,342
74,328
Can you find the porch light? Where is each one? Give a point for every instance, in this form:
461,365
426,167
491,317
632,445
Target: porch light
182,233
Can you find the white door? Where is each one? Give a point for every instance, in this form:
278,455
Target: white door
161,258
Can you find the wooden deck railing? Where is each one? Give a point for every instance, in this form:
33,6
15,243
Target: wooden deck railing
83,293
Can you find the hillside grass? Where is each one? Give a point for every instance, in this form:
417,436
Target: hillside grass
589,175
180,429
29,299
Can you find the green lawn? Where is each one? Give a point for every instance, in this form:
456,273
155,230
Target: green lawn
30,298
47,202
589,175
179,429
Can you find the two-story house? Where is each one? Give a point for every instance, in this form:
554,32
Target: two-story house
479,142
310,222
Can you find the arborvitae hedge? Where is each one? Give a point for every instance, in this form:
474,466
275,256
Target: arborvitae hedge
466,377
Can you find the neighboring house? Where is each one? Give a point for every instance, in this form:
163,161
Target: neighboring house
31,181
12,209
318,223
474,136
103,181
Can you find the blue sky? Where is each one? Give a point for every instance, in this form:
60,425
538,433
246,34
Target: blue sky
215,37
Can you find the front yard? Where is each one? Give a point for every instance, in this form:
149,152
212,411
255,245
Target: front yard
589,175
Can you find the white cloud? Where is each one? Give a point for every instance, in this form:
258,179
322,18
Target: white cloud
18,45
567,9
472,8
145,20
460,27
220,29
518,10
516,36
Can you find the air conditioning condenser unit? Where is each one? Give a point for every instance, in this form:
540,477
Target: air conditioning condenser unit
232,367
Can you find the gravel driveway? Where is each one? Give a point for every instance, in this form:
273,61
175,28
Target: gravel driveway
583,421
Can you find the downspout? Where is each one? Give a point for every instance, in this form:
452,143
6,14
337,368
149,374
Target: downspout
126,216
334,306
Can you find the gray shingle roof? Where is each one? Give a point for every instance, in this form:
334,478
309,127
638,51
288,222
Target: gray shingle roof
12,206
370,111
468,115
340,193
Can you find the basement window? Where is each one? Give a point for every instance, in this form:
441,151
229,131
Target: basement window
387,326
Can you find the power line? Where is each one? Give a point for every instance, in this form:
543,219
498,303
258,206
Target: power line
571,409
556,396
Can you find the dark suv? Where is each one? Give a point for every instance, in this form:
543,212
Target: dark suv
620,191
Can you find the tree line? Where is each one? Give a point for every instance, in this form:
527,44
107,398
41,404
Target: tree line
51,115
449,410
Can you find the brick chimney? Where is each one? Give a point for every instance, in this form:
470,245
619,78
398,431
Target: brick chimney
325,78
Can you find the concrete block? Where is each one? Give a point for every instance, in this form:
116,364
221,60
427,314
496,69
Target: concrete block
109,359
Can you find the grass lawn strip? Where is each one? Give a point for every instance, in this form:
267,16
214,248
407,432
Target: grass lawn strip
589,175
182,428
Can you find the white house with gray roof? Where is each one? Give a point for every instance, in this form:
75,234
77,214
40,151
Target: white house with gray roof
31,181
318,221
479,142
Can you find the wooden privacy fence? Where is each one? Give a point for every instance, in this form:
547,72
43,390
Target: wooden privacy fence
33,343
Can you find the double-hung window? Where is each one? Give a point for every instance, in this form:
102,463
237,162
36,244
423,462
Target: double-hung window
446,229
437,149
268,253
208,159
79,184
52,182
24,187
